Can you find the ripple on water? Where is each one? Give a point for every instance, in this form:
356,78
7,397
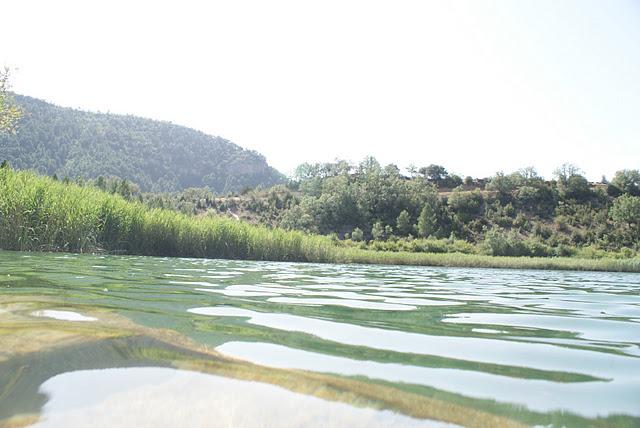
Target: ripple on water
493,351
238,292
529,339
592,329
589,399
349,303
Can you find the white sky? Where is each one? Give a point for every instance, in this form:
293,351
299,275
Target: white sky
477,86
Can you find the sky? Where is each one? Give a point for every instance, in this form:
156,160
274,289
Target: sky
476,86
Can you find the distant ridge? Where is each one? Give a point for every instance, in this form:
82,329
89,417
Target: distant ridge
158,156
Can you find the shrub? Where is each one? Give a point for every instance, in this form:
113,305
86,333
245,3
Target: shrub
500,243
357,235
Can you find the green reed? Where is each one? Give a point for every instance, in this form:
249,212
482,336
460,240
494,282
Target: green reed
353,255
39,213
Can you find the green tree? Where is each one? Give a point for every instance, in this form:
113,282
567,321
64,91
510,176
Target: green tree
467,205
9,111
536,199
628,181
427,222
529,176
626,210
378,231
575,187
434,173
357,235
403,223
100,182
505,185
566,170
297,218
452,181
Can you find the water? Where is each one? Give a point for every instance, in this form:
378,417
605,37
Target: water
158,341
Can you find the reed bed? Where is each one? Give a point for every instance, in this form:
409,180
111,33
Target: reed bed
352,255
42,214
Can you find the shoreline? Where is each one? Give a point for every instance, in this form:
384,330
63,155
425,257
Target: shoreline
446,260
39,213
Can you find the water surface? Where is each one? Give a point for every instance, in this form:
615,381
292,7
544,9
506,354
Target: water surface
376,345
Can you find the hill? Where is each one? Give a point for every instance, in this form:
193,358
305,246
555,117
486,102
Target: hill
158,156
376,207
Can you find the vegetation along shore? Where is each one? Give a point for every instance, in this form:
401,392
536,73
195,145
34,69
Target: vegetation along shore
39,213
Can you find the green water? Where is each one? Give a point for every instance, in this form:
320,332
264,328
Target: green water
533,347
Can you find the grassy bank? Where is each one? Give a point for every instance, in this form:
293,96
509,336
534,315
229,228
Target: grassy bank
353,255
42,214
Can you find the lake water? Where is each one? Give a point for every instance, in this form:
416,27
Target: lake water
143,341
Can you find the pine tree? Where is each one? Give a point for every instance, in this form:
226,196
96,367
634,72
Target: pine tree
377,231
427,221
403,223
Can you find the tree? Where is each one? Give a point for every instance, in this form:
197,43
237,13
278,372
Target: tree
357,235
628,181
626,210
566,170
369,165
467,205
403,223
297,218
452,181
529,173
9,112
576,187
434,173
377,231
427,222
537,199
503,184
100,182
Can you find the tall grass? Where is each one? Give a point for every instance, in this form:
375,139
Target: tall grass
41,214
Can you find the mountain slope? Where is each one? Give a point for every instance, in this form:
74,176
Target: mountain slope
158,156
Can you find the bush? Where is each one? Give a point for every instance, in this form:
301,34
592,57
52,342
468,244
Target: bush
357,235
466,205
501,243
537,248
563,250
428,246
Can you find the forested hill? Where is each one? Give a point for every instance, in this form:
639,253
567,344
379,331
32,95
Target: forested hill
158,156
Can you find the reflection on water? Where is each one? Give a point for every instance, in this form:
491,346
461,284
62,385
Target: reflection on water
588,398
62,315
590,329
513,353
457,345
348,303
163,397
